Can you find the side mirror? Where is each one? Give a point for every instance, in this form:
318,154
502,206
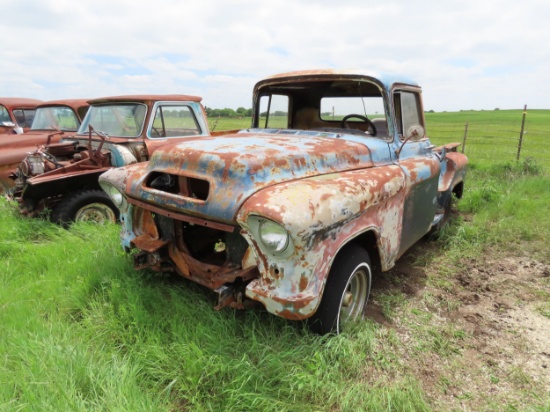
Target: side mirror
414,133
7,124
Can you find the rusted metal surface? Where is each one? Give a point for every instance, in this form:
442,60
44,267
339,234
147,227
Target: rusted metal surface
9,107
325,188
14,148
75,162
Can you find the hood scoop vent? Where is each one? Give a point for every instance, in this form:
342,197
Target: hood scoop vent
185,186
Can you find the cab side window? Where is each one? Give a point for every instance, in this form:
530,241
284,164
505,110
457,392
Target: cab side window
174,121
407,110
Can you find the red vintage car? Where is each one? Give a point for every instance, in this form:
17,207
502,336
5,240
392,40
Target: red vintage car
116,131
52,120
16,114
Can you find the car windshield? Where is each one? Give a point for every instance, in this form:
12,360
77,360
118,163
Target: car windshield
121,119
55,118
4,115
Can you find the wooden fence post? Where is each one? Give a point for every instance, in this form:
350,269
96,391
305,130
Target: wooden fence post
521,132
464,139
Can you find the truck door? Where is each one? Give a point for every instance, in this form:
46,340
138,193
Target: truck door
420,167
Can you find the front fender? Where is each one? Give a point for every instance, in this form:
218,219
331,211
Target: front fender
453,170
121,156
321,214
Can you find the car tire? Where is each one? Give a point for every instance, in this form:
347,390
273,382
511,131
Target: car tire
346,292
436,230
87,206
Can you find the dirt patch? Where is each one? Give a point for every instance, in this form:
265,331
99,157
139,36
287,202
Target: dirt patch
505,314
492,315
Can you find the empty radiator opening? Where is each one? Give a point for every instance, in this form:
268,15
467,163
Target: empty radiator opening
213,246
179,185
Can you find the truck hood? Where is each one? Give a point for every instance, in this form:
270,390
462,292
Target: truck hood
29,140
241,164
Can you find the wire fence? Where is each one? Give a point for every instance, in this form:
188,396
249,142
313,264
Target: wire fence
494,136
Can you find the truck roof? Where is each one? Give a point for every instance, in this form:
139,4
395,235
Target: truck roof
145,98
385,79
19,102
74,103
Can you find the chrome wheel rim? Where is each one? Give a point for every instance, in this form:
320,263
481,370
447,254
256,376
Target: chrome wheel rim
95,212
355,296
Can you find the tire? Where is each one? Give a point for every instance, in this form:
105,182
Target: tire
346,291
86,206
436,230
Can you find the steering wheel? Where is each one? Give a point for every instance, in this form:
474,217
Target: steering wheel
344,123
157,132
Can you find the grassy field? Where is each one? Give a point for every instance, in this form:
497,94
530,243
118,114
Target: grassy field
492,135
461,323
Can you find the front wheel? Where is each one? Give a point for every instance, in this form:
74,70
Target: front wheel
346,291
85,206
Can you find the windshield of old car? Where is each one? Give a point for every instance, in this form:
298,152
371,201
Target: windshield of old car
120,119
24,117
4,115
274,111
55,118
336,108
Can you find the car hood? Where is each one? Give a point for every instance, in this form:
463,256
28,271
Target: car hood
31,139
241,164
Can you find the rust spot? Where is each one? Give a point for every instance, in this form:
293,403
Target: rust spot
303,282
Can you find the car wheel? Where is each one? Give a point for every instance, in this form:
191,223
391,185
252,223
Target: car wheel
346,291
85,206
436,230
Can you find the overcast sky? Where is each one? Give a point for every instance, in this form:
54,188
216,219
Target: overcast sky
465,54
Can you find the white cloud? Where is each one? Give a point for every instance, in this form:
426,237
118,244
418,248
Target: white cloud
465,54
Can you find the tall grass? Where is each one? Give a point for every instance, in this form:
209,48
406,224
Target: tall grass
81,330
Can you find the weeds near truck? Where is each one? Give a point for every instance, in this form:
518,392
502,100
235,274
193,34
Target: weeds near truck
460,323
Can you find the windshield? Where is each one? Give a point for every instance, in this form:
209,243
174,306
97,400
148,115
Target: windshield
4,115
55,118
121,119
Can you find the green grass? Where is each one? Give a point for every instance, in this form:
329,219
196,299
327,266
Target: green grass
492,136
82,331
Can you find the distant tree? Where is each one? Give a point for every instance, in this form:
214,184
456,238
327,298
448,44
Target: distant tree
227,112
496,108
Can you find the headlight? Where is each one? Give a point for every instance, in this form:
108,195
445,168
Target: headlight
273,236
116,195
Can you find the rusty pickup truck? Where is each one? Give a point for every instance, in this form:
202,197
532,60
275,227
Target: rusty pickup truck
116,131
50,122
336,178
16,114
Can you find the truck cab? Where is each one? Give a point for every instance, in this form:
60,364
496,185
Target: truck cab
334,180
